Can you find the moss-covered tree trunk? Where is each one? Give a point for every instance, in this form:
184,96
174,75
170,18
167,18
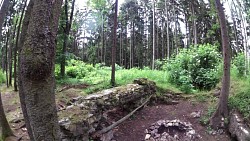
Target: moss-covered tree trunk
222,108
6,130
36,69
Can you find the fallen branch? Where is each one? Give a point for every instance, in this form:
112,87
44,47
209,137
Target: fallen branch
105,130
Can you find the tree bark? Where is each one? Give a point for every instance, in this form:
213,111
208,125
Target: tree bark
222,108
6,58
36,69
114,46
16,46
11,50
6,130
3,11
167,22
153,59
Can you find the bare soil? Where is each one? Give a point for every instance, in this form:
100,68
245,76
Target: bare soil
130,130
133,129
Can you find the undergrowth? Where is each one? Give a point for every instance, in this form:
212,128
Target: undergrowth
2,77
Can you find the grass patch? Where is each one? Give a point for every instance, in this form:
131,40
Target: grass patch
240,95
99,78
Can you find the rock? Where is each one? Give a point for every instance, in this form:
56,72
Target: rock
16,120
24,129
196,114
12,138
147,136
107,136
185,132
237,127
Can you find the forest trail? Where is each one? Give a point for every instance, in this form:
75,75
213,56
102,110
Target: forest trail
132,129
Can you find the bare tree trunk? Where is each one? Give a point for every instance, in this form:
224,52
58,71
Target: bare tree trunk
162,41
6,130
167,22
114,45
153,59
3,11
130,49
16,46
103,38
36,69
133,44
222,108
194,24
120,54
6,58
11,52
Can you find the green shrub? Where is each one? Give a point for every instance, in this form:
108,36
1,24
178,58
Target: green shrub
241,101
195,67
57,71
2,77
239,62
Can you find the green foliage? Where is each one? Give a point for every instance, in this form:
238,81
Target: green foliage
240,95
205,118
98,76
196,67
241,101
239,63
78,69
2,77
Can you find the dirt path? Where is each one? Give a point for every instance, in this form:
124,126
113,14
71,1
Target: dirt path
133,129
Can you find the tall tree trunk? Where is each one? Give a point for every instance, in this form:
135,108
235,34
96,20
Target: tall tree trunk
153,59
16,45
114,46
120,54
222,108
167,22
68,23
11,52
133,44
162,41
130,47
6,58
3,12
194,24
103,37
6,130
36,69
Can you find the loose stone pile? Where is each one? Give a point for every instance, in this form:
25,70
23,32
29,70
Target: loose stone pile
171,130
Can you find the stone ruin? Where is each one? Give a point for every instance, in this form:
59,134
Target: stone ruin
87,114
171,130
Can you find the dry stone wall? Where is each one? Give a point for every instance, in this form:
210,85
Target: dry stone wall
85,115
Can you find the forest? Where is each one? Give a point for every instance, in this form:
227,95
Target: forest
124,70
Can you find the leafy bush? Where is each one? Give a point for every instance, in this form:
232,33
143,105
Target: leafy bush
195,67
2,77
57,71
239,63
241,101
78,69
